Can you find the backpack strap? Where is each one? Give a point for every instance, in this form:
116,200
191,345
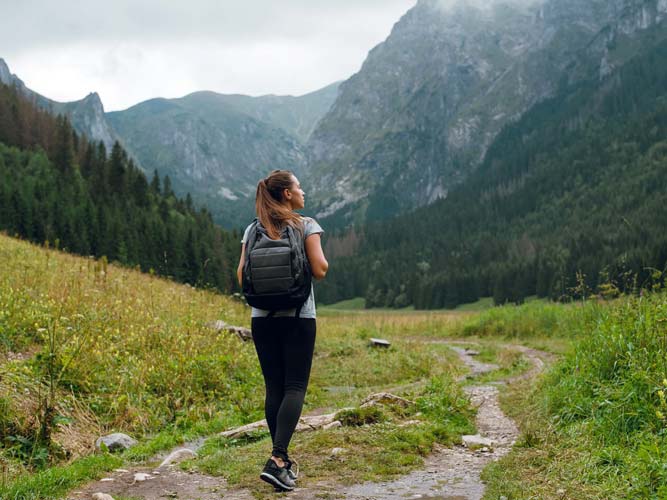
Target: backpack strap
298,312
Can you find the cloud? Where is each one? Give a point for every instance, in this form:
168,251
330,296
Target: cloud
130,50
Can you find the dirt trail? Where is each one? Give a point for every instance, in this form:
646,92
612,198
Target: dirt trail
454,473
448,473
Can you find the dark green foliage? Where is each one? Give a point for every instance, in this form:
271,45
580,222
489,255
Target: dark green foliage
57,186
576,186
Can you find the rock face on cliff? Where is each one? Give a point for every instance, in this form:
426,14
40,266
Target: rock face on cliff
87,115
427,103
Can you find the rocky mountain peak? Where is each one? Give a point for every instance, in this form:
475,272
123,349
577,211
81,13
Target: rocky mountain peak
5,75
94,101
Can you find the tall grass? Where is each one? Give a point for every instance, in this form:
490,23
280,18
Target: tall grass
106,348
534,319
595,426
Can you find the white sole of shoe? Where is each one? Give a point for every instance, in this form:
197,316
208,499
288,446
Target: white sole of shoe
274,481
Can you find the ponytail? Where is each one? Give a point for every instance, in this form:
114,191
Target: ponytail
270,206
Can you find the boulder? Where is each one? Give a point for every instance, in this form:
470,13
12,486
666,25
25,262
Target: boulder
101,496
476,441
379,343
333,425
178,456
115,442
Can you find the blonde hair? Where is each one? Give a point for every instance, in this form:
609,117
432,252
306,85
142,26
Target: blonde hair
270,206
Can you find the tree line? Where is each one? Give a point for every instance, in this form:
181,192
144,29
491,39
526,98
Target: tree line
59,187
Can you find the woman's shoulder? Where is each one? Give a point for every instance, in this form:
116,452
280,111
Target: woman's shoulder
311,226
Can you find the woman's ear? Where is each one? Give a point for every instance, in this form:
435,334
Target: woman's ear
287,194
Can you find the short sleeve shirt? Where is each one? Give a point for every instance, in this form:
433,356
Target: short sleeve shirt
308,309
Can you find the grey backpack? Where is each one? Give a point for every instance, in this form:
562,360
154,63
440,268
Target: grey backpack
276,273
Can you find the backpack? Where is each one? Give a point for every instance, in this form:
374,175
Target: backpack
276,273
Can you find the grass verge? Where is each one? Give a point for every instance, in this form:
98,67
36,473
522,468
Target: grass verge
595,425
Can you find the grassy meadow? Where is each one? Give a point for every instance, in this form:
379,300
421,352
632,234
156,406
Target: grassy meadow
88,348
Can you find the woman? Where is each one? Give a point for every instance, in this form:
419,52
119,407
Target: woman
284,342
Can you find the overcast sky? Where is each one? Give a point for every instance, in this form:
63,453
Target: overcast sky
132,50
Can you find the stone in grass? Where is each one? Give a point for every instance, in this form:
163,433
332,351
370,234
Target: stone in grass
115,442
333,425
379,343
102,496
476,441
337,452
178,456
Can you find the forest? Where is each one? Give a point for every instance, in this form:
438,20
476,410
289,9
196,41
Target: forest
59,189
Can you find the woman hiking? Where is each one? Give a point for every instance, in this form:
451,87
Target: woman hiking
284,337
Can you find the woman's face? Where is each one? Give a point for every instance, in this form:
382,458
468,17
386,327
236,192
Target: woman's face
294,196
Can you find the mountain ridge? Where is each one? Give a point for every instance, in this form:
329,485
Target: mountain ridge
87,114
458,75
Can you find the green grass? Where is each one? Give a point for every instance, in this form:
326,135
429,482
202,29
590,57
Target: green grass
55,482
355,304
481,305
531,320
595,426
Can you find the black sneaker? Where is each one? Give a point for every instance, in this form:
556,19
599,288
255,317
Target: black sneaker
288,465
277,476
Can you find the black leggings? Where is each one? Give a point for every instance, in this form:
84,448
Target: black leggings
285,350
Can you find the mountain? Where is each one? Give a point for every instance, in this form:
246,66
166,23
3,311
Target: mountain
421,113
218,146
211,145
569,199
298,116
87,115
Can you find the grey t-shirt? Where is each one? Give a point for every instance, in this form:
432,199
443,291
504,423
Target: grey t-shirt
308,309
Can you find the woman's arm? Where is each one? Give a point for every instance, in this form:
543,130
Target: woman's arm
239,269
318,264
